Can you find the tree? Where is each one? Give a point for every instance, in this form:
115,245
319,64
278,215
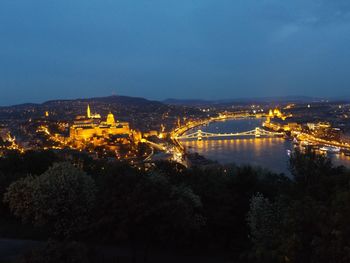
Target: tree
159,211
146,208
5,181
57,252
265,221
60,199
30,162
308,167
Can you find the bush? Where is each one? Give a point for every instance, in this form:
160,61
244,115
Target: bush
56,252
60,199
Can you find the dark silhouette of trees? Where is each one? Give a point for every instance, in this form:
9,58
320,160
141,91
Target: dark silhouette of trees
145,208
30,162
306,223
58,252
60,199
250,213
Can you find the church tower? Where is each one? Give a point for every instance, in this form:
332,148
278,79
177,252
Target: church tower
88,111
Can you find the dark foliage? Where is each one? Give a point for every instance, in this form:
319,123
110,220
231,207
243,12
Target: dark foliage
249,213
312,217
58,252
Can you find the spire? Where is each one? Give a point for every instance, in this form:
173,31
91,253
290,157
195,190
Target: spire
88,111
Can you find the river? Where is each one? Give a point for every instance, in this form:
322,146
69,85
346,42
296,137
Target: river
268,153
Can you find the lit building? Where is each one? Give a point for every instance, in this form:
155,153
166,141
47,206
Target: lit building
324,130
276,113
151,133
92,127
276,120
90,115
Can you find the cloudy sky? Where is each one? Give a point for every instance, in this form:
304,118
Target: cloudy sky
179,48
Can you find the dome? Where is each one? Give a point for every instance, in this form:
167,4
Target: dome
110,119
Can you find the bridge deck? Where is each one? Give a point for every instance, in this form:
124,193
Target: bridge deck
257,132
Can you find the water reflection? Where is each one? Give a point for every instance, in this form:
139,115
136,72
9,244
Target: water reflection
265,152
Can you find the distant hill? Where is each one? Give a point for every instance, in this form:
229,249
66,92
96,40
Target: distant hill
142,114
138,101
119,105
286,99
121,100
112,100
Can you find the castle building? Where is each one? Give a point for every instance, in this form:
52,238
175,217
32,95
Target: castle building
93,127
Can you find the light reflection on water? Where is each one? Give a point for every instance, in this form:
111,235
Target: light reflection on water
341,159
268,153
265,152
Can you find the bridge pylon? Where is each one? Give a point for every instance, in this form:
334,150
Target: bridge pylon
199,136
257,132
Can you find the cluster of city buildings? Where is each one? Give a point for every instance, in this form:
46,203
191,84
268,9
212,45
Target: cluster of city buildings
93,126
93,130
324,130
98,134
89,132
277,121
7,141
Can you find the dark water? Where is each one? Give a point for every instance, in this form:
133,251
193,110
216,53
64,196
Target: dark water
268,153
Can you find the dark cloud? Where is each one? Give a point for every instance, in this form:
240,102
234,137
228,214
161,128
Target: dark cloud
185,48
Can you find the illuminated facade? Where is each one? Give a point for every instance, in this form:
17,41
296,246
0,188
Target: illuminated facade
89,115
324,130
279,123
92,127
276,113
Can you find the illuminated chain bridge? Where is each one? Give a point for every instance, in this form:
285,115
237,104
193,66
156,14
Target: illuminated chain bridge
257,132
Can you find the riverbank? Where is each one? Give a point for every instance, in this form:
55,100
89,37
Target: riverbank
271,153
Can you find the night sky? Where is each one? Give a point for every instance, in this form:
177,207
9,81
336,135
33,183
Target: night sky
216,49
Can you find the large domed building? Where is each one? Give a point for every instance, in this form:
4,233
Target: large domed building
92,126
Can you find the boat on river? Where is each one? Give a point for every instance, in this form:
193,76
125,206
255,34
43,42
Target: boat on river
330,149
